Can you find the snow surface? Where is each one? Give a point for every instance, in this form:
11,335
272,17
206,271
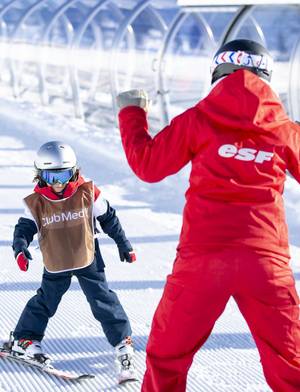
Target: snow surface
151,216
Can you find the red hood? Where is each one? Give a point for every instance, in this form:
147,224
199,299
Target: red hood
69,190
242,101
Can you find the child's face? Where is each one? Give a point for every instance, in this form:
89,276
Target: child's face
57,187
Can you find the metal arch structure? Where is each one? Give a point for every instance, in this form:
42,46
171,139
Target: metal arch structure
97,75
126,12
59,13
6,8
137,10
15,76
74,45
240,17
294,82
162,90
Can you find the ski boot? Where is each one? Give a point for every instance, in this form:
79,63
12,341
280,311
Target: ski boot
27,350
124,361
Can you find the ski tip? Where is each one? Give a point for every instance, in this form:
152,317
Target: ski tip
74,377
86,376
128,380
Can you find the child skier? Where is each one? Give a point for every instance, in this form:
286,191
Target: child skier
62,210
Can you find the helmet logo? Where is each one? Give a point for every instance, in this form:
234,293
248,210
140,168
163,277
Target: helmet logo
243,59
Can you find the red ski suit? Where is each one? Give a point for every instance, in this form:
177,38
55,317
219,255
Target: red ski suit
234,239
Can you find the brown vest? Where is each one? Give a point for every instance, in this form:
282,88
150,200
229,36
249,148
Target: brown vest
66,232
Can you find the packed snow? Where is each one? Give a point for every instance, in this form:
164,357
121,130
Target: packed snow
151,216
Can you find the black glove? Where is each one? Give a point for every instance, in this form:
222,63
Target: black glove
22,255
25,252
127,253
21,247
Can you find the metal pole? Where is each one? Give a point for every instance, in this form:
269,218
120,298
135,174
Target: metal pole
15,76
118,38
45,44
73,71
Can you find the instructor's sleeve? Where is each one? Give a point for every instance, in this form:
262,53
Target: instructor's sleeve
152,159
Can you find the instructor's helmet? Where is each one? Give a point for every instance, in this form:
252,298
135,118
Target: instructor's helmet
242,54
55,162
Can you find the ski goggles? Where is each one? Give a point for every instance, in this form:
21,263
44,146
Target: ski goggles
61,176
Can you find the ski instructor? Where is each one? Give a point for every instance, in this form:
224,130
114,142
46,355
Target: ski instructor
234,239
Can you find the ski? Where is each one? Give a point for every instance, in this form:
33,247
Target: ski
127,380
45,367
126,376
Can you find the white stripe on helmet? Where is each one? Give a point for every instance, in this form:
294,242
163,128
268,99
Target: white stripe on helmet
243,59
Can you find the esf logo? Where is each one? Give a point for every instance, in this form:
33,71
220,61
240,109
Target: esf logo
244,154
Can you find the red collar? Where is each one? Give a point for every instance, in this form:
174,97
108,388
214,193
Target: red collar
70,189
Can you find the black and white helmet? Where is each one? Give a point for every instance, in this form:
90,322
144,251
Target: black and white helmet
242,53
55,155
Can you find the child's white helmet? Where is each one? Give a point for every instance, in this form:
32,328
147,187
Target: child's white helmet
55,155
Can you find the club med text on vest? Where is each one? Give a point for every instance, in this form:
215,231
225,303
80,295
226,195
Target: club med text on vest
68,216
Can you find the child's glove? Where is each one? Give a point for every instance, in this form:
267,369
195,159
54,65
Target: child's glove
127,253
23,258
133,98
